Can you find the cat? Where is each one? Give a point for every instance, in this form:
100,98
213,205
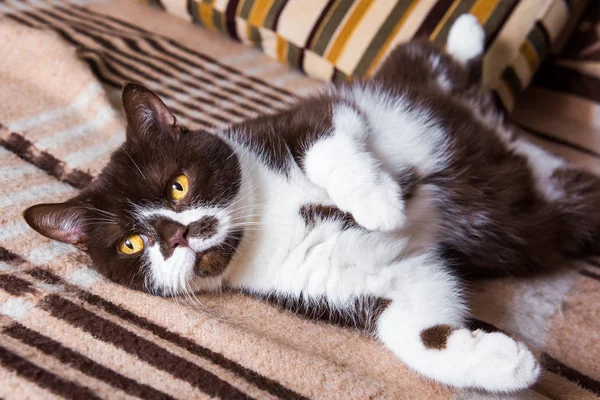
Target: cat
372,200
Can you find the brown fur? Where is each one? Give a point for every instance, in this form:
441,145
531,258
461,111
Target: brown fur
436,337
363,313
314,213
494,220
284,138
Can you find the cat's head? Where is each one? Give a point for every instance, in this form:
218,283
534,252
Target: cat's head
161,215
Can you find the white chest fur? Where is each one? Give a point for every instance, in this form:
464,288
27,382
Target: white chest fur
281,254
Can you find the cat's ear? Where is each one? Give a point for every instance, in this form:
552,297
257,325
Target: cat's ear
147,114
60,221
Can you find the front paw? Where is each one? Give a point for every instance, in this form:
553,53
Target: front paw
376,208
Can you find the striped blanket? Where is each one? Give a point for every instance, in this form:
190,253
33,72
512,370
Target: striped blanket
65,332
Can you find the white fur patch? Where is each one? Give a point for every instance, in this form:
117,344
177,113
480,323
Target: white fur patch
342,165
466,39
543,165
174,274
400,136
170,275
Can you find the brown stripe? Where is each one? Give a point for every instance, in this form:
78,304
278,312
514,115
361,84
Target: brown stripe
76,178
155,43
272,19
594,263
436,337
590,274
15,286
541,34
261,382
99,62
10,257
43,378
230,12
45,276
147,351
497,20
268,385
153,60
25,150
92,15
275,104
82,363
556,140
197,105
86,12
570,81
309,41
262,84
570,374
137,72
17,19
432,19
157,4
276,101
93,63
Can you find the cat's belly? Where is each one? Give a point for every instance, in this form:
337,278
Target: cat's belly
294,253
328,260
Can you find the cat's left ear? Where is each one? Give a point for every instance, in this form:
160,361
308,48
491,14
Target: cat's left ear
64,222
147,114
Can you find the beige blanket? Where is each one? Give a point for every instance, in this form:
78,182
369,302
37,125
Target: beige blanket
65,332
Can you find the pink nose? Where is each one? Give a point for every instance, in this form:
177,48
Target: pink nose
178,238
171,233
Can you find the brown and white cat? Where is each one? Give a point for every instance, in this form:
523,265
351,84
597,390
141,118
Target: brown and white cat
384,189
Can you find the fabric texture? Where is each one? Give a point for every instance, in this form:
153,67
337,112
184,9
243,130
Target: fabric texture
340,39
65,332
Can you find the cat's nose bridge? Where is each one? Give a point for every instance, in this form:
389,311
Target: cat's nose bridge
172,233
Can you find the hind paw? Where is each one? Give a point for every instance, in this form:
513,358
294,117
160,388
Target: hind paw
497,362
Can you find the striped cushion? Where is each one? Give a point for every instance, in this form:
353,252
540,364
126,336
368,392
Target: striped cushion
337,39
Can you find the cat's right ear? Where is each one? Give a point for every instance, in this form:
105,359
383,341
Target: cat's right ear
146,113
60,221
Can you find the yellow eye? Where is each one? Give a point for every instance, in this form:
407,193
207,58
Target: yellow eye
131,244
179,187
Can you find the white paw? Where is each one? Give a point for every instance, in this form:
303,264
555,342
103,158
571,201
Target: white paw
377,207
466,39
501,364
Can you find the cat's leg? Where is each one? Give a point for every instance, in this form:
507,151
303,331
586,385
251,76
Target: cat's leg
342,165
425,327
575,193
